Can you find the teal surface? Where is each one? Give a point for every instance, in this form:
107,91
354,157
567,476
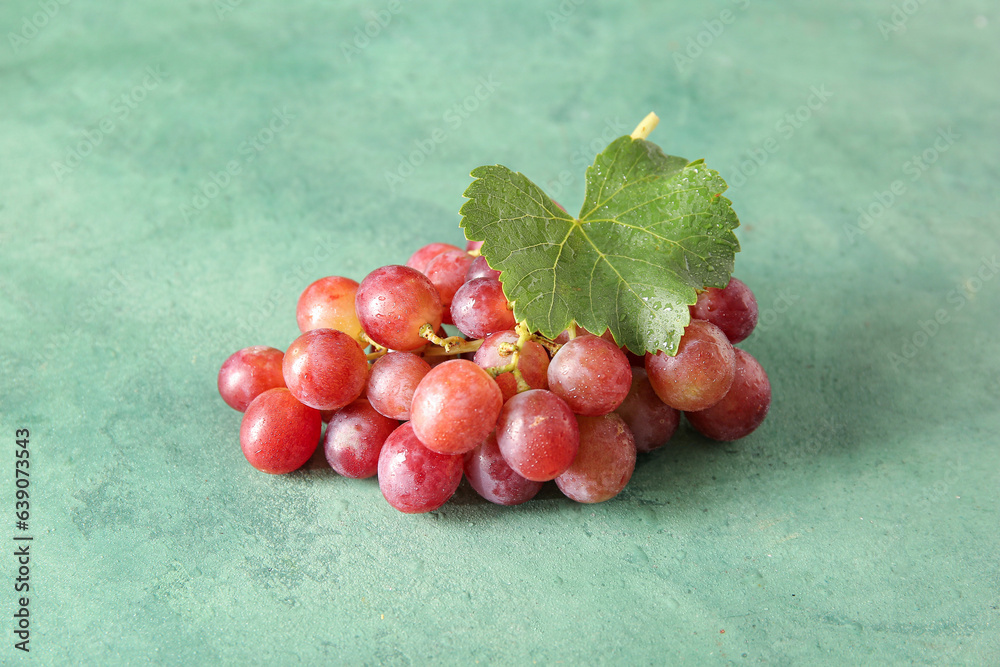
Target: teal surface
172,175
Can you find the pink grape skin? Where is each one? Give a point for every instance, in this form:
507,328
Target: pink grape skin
455,407
328,303
413,478
732,308
742,409
472,246
592,375
563,337
605,462
393,302
494,479
354,438
392,381
248,373
325,369
279,434
480,308
424,255
447,273
651,421
533,362
538,435
480,268
701,372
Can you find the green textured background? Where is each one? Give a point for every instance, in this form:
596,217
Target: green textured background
859,524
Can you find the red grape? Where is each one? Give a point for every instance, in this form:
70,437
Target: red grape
420,258
279,434
354,438
455,407
592,375
480,308
325,369
392,381
732,308
494,479
480,268
742,409
413,478
247,374
605,462
393,302
328,303
447,273
537,434
471,246
701,372
651,421
533,362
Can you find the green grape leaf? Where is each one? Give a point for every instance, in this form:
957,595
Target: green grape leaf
653,230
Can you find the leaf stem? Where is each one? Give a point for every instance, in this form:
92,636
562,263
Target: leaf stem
644,128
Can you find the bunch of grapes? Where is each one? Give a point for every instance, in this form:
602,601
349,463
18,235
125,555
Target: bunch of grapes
504,407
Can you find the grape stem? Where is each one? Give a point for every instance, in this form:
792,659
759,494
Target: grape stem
644,128
460,348
549,345
514,352
369,341
427,331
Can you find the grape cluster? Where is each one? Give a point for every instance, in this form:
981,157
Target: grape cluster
506,407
